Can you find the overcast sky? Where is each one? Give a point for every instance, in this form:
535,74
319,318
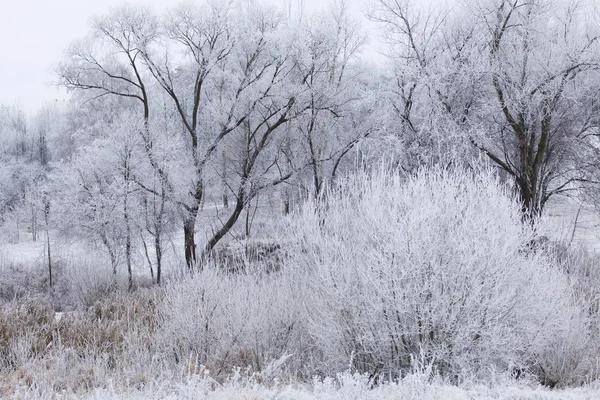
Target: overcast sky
35,33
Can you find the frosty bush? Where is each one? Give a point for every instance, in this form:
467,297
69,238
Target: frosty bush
431,274
219,321
436,274
89,282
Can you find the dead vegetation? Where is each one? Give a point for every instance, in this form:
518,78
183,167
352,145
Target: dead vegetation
80,348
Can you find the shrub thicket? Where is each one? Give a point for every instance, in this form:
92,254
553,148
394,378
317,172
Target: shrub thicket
388,276
433,275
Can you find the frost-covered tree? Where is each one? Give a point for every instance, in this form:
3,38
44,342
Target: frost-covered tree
109,63
338,114
514,78
16,140
100,196
217,64
541,57
431,83
232,79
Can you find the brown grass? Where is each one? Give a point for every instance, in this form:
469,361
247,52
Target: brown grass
76,352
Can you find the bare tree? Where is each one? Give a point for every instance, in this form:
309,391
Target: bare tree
540,57
110,63
235,77
231,80
509,75
327,67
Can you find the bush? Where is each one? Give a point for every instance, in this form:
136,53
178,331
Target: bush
433,273
219,321
89,281
575,358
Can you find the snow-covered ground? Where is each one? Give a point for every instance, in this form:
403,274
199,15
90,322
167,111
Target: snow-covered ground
571,221
25,251
565,219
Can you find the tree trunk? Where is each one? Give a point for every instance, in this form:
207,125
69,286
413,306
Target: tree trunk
114,260
189,225
158,226
286,205
46,220
148,258
224,181
127,180
237,211
530,198
128,247
33,222
158,249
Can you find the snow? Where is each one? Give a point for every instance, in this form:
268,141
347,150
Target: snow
25,252
571,221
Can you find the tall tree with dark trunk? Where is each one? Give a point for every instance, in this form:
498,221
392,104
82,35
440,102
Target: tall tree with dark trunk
510,76
234,74
537,56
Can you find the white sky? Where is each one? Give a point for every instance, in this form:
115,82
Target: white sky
35,33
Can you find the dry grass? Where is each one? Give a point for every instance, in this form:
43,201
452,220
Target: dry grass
77,351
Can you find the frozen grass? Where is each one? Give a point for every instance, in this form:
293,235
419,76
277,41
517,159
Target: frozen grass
76,352
123,346
343,387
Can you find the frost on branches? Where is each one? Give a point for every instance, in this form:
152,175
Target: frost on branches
435,272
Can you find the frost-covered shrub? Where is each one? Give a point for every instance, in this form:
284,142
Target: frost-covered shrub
387,276
431,273
575,358
221,320
89,282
